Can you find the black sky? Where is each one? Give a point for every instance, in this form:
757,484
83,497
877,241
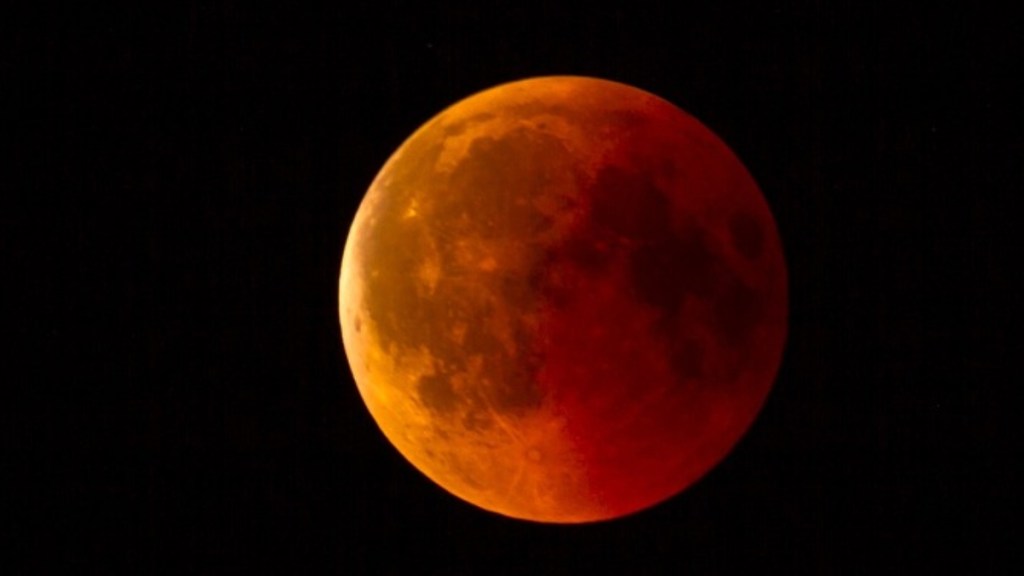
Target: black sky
179,184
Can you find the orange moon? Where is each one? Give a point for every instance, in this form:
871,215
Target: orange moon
563,299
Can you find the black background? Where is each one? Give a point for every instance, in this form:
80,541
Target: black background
179,184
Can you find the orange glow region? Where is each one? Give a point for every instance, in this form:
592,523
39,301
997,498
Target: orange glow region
563,299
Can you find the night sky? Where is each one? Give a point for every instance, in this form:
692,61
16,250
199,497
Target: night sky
177,188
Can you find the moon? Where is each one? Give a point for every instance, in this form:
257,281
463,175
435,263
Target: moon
563,299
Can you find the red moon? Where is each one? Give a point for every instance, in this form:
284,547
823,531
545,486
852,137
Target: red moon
563,299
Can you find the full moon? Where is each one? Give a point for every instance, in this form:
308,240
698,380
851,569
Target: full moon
563,299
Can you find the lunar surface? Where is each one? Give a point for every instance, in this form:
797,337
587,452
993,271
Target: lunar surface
563,299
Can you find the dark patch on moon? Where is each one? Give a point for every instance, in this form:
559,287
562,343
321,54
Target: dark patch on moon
592,257
542,225
630,216
665,263
487,186
671,266
737,309
515,395
747,235
687,358
504,383
628,204
435,392
507,382
627,121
